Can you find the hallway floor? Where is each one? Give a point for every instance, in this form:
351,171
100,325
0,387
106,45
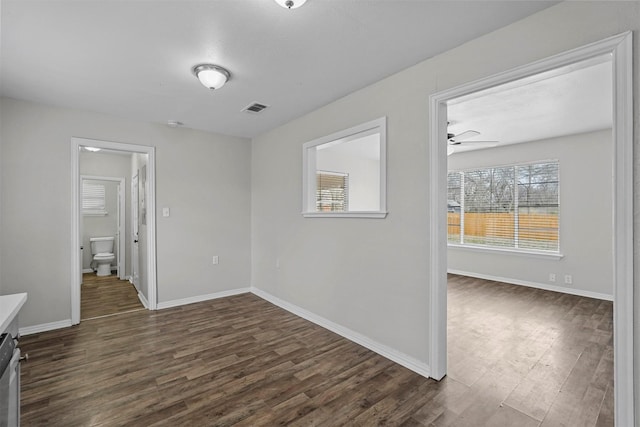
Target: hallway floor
106,295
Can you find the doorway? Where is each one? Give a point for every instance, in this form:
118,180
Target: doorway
143,159
100,220
619,47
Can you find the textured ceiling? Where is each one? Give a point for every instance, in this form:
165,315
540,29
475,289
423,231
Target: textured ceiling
572,100
133,58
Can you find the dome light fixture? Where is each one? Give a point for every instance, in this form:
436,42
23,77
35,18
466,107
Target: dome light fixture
211,76
291,4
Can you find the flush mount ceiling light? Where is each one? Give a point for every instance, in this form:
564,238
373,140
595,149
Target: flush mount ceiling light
211,76
291,4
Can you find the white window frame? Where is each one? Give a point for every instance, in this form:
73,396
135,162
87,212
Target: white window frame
309,170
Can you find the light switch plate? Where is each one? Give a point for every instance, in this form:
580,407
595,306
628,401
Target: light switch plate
165,212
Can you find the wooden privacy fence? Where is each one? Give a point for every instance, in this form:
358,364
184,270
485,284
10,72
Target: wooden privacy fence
531,226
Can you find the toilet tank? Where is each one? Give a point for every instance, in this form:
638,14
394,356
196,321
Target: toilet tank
101,245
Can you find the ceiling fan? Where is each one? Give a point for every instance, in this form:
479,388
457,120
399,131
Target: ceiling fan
456,140
453,139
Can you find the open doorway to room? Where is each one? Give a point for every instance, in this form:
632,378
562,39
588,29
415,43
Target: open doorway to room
106,288
535,249
114,228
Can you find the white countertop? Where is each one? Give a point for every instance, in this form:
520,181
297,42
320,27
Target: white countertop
10,305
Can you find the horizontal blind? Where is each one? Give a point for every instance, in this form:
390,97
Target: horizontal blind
514,206
538,206
489,207
93,196
332,191
454,205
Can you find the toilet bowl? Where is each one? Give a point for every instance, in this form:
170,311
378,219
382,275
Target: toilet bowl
103,262
103,256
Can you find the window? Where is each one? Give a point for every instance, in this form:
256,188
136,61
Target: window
513,207
332,191
93,199
344,174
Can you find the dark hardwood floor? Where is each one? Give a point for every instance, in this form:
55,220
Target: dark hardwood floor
106,295
545,356
545,359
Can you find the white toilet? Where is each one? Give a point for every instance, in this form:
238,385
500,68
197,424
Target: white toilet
102,251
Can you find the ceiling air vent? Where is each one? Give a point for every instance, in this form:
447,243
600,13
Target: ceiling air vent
254,108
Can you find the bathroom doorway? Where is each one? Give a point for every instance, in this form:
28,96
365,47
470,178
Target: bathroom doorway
132,160
103,216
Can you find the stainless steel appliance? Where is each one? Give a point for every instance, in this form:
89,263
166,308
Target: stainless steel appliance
9,381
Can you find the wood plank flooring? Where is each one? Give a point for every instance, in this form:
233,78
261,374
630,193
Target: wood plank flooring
106,295
544,355
242,361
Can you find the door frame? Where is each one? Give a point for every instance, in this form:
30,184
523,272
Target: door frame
121,221
620,49
76,145
135,232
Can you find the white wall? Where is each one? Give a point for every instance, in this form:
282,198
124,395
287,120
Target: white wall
372,275
586,215
204,178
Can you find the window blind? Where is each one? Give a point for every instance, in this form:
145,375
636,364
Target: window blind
332,191
93,197
454,207
538,206
513,206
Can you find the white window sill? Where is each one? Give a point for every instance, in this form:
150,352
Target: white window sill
344,214
507,251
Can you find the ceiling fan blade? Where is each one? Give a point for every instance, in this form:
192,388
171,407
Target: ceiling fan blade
465,135
454,142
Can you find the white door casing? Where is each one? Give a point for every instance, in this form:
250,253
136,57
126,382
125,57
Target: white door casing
135,257
620,49
150,243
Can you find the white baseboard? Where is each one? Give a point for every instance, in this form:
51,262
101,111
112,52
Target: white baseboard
44,327
544,286
394,355
200,298
143,300
130,278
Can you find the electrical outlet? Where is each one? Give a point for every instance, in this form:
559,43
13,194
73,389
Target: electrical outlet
568,279
215,260
552,277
